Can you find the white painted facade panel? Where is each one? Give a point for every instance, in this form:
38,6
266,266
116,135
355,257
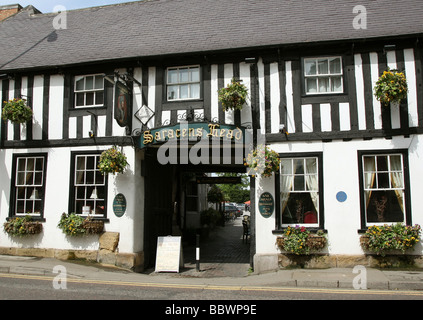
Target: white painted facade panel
341,173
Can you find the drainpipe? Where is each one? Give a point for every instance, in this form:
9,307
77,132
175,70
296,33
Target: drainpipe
255,127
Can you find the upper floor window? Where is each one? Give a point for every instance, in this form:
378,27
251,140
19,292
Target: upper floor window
183,83
89,91
323,75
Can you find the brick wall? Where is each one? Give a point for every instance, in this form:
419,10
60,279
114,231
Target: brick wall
7,11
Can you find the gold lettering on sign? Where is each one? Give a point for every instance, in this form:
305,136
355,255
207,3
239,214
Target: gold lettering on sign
238,134
148,137
199,132
230,134
213,130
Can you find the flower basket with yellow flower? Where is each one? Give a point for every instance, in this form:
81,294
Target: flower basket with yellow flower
382,239
16,111
301,241
391,87
263,161
22,226
76,225
112,161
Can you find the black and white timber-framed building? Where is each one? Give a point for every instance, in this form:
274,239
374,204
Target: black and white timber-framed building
310,67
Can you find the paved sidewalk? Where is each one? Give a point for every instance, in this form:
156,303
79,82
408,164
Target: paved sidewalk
224,262
328,278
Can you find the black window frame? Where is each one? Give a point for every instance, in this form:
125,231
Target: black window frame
71,205
13,187
406,177
278,210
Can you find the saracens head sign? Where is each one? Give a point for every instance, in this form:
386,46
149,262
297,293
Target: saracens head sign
191,132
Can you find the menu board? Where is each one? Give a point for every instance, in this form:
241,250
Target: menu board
169,254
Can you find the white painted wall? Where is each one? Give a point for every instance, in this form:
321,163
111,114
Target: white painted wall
341,173
130,183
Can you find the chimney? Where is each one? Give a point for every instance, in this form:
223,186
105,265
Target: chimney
8,10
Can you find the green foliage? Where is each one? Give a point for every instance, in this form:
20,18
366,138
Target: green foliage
263,161
16,111
238,193
392,237
233,96
72,224
300,241
210,217
112,161
215,195
391,86
22,226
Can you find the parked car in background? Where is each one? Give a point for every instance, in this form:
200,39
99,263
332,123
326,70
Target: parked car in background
231,211
241,206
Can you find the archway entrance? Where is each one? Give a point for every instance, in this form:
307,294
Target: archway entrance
176,199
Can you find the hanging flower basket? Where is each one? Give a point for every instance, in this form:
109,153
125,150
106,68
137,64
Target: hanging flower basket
233,96
16,111
263,161
382,239
391,87
22,226
112,161
300,241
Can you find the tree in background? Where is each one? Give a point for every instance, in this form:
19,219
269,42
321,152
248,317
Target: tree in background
238,193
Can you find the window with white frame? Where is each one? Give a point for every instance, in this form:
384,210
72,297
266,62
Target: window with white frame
29,185
323,75
89,91
384,188
299,188
89,186
183,83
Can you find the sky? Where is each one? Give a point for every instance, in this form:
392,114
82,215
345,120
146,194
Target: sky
46,6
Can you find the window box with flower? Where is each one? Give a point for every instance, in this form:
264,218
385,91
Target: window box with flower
390,238
300,241
22,226
263,161
77,225
16,111
391,88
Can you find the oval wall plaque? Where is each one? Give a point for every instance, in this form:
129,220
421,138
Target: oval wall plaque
119,205
266,204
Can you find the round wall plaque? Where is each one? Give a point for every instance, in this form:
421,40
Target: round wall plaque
266,204
119,205
341,196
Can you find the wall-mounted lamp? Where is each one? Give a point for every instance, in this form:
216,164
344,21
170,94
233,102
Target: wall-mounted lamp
389,47
91,134
250,60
